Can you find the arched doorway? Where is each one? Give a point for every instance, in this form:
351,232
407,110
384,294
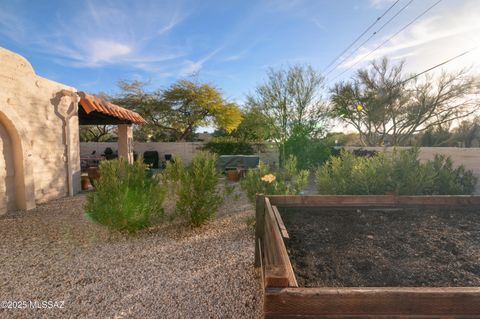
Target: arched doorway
13,186
7,172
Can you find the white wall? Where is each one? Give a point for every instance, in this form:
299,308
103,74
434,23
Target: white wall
183,150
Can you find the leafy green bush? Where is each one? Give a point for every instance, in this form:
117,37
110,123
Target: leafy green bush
450,180
198,196
262,180
310,152
229,146
400,172
171,175
125,198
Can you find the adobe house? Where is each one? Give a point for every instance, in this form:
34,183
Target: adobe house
39,134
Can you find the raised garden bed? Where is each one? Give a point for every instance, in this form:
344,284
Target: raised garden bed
369,256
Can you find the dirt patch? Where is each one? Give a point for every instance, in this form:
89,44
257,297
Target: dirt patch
435,247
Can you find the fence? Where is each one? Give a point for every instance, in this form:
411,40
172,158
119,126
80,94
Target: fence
183,150
468,157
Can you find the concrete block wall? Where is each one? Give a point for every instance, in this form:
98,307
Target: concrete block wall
183,150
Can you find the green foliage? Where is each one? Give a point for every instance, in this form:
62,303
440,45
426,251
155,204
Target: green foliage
229,146
400,172
309,152
198,196
286,181
387,106
125,198
288,99
450,180
175,113
172,174
97,133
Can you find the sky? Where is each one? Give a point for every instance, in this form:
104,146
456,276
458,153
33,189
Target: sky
92,44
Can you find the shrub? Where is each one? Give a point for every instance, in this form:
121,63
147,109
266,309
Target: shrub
310,152
171,175
229,146
125,198
198,196
450,180
262,180
400,172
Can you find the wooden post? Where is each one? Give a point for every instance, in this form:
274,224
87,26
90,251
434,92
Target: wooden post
125,141
259,226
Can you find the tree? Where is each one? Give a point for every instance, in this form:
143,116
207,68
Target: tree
175,113
255,127
290,99
467,132
387,107
97,133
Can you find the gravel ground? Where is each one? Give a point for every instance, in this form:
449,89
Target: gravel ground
53,253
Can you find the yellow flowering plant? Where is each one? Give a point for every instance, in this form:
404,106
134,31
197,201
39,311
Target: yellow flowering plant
276,181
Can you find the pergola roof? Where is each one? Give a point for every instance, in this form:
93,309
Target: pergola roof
95,110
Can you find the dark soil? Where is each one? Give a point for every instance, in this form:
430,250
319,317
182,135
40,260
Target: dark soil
410,247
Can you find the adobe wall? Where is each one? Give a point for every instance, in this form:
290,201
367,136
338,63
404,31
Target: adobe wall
33,135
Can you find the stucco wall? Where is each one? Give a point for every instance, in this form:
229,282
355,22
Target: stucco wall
184,150
31,111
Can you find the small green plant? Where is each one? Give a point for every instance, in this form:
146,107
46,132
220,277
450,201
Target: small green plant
171,175
198,195
125,198
262,180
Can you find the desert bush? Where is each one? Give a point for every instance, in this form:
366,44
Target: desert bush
400,172
125,198
450,180
198,194
310,152
229,146
262,180
171,175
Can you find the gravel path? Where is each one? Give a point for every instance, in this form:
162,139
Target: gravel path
54,253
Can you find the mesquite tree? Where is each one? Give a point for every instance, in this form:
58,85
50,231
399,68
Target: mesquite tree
387,106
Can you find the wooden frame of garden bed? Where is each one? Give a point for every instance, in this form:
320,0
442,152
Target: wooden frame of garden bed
284,299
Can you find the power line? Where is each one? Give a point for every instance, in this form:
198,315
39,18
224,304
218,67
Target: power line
371,36
360,36
440,64
386,41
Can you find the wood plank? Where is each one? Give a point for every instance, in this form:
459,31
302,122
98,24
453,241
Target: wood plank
279,251
372,200
259,226
372,302
280,223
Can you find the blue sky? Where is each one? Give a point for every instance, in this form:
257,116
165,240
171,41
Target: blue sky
90,45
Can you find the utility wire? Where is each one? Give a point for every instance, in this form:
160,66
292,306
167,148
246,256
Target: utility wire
386,41
370,37
440,64
360,36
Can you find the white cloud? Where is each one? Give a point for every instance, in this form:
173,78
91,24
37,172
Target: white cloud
451,30
107,50
99,33
380,3
193,67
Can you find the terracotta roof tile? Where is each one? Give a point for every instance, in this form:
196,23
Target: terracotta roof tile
92,103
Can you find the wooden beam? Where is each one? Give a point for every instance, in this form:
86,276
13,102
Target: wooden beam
372,200
280,223
259,226
277,262
372,302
